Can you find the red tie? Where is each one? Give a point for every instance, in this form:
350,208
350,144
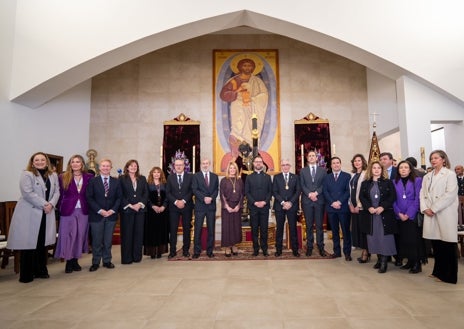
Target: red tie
206,179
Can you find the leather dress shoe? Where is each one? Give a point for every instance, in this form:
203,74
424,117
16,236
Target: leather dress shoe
210,255
255,253
278,253
322,252
309,252
196,256
94,267
172,255
336,256
348,258
265,254
108,265
186,254
296,253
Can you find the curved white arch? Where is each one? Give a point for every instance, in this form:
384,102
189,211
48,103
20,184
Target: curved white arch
41,71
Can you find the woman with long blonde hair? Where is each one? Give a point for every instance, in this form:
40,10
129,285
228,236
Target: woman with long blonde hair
33,224
231,193
74,211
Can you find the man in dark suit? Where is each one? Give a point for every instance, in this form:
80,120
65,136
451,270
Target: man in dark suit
336,194
386,160
104,198
179,195
286,191
258,191
205,187
312,199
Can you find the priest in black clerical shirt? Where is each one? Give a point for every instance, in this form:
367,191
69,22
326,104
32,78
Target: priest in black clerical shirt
258,191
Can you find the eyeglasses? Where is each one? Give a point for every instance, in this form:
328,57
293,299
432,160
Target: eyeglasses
286,165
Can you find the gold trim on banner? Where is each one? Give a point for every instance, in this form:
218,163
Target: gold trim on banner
310,118
181,120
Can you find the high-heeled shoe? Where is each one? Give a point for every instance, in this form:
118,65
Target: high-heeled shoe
235,253
365,258
228,254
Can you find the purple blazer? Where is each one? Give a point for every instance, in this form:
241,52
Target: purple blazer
410,204
69,197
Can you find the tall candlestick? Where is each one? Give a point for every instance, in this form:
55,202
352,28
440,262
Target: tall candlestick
422,153
333,149
161,156
302,156
193,162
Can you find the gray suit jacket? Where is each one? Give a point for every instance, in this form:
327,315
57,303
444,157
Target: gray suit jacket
307,184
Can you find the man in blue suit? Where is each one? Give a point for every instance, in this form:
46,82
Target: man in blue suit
386,160
103,195
312,200
205,187
336,194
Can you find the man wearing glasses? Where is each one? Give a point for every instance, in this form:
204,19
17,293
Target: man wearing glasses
286,191
258,191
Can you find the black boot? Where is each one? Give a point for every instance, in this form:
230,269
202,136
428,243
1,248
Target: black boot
377,265
417,267
383,264
75,265
69,266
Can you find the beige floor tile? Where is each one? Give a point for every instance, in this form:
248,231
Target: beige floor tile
284,294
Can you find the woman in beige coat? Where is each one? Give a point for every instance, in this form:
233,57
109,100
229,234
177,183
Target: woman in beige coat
438,203
33,224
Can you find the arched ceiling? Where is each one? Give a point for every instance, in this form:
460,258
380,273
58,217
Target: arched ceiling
235,22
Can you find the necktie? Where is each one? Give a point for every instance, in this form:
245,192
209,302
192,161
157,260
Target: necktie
179,180
313,172
206,179
286,178
336,176
106,185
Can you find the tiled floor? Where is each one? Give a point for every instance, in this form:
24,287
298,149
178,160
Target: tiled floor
242,294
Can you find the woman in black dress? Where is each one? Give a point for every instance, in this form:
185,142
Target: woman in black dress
359,239
231,192
157,220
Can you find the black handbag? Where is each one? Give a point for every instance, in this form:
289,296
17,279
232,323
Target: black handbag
419,219
419,216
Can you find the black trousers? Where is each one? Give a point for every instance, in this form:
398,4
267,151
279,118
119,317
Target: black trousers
33,262
280,222
259,219
446,261
174,216
132,227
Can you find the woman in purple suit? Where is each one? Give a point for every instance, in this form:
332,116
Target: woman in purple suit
74,223
406,206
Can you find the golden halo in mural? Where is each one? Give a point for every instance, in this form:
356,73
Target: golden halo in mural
258,62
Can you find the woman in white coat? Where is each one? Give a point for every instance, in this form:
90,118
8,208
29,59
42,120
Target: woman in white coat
438,203
33,224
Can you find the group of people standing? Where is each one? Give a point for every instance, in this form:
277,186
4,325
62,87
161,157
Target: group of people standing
381,209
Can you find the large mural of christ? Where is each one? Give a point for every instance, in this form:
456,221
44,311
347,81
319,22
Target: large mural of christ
246,106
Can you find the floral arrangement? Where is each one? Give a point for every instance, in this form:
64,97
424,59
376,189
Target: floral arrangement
179,156
320,159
